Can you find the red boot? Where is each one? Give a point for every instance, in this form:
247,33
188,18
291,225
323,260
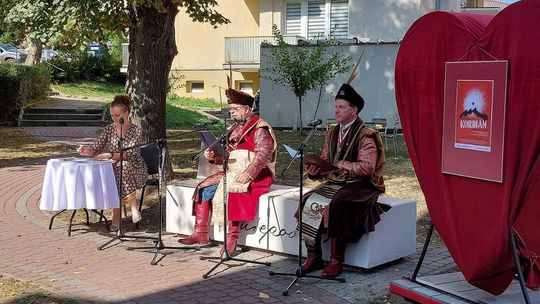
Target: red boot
232,237
314,259
200,233
337,256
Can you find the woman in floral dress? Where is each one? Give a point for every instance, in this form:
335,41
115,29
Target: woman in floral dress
106,147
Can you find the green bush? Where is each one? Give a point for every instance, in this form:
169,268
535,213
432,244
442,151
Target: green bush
20,86
72,67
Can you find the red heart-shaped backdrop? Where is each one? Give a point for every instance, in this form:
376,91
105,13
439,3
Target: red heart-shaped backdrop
473,216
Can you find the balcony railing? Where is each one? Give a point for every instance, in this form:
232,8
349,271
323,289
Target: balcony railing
247,50
238,50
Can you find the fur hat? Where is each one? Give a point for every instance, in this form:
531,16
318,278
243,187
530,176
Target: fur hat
239,97
349,94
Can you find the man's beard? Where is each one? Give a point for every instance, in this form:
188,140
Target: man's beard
239,120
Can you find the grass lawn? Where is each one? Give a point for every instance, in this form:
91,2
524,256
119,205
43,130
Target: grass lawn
180,112
89,90
18,148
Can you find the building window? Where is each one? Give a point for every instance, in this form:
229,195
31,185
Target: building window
316,23
317,18
195,86
293,19
246,87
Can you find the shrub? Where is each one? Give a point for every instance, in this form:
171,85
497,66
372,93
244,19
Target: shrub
20,86
72,67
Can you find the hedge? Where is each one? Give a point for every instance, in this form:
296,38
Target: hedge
20,86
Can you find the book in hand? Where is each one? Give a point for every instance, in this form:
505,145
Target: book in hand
208,139
326,167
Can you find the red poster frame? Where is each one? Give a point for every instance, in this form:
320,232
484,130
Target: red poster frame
474,118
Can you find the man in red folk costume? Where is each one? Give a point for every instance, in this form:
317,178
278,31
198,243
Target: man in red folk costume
251,171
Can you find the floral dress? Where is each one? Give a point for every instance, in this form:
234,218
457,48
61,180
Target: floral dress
134,167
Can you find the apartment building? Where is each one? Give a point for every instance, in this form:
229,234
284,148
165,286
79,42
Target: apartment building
205,53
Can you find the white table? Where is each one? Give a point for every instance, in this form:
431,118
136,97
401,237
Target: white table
73,183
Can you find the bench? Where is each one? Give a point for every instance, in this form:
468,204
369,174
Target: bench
274,228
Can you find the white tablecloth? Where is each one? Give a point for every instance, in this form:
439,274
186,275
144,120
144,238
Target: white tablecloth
72,183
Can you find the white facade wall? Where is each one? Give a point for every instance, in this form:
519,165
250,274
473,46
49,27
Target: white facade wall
386,20
374,81
378,20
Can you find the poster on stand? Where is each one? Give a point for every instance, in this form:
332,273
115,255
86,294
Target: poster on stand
473,119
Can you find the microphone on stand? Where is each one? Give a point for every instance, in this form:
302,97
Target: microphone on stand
315,122
205,124
121,139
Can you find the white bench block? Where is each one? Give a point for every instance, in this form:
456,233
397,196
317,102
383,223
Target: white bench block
274,229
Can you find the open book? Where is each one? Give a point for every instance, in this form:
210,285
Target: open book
312,159
208,139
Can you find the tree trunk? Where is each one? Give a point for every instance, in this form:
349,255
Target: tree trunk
318,103
300,110
34,52
152,48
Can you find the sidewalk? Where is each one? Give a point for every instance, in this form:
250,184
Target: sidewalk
74,266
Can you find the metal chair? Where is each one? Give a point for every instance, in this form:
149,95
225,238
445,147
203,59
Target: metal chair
150,155
394,136
381,125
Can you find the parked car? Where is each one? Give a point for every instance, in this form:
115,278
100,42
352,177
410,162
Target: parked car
96,50
10,53
47,54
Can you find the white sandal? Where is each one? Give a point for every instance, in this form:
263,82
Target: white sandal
136,217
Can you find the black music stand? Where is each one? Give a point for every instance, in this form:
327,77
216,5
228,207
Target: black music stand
299,273
120,236
225,257
158,243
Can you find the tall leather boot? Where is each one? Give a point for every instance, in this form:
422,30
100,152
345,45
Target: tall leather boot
314,259
337,256
200,232
232,237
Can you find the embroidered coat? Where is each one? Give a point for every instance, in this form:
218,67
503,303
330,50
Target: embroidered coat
353,209
257,136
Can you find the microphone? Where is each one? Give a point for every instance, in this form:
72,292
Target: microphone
205,124
121,120
315,122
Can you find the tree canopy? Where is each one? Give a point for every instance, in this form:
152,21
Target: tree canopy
75,24
149,24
